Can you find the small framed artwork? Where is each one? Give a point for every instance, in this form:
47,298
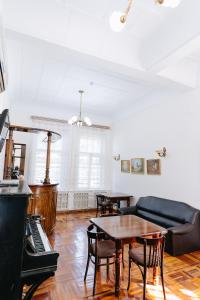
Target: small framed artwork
137,165
125,166
153,167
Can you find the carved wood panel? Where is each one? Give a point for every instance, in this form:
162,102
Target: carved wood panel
43,203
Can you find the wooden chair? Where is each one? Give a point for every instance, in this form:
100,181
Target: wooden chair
149,255
103,205
98,248
107,237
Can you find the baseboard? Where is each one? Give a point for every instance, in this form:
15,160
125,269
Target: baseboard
60,212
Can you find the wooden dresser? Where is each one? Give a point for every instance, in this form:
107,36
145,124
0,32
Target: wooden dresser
43,202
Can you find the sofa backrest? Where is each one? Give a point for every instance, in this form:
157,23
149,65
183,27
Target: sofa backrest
175,210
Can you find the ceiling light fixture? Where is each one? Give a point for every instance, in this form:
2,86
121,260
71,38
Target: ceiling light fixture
162,152
118,18
78,120
168,3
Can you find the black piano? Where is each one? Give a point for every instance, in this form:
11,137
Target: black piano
26,256
39,259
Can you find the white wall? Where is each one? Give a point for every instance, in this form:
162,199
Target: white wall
4,99
4,103
173,121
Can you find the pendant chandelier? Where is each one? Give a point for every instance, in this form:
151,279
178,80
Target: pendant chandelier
118,18
79,120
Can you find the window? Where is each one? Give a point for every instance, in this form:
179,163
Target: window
90,168
79,161
40,160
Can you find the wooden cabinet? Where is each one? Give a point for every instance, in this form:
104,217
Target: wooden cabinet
43,202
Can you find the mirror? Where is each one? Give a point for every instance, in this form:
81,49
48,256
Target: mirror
18,160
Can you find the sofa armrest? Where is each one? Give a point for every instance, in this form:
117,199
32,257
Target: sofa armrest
181,229
127,210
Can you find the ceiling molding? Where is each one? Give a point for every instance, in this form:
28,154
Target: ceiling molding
40,118
174,39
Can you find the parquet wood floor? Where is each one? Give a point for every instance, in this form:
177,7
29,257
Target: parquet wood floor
182,274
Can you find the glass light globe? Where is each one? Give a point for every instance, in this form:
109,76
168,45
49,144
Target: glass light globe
73,120
115,22
79,123
87,121
171,3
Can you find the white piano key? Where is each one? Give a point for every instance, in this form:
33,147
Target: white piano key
44,238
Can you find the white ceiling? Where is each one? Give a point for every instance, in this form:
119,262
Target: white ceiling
56,47
40,72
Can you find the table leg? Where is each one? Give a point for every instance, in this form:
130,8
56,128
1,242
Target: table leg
155,276
128,202
117,267
156,269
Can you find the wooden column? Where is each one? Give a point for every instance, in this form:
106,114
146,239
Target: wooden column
8,156
47,179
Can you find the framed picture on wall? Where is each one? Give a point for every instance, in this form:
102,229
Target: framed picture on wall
153,167
137,165
125,166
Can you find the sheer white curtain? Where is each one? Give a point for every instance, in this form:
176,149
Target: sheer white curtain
90,159
80,161
37,160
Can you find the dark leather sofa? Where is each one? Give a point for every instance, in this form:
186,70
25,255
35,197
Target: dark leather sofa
181,220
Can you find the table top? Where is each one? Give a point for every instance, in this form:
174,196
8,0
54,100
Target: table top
116,195
127,226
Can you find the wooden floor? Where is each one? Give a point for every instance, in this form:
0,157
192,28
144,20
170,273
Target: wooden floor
182,274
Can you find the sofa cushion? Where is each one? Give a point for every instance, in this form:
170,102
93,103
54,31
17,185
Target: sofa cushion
127,210
159,220
175,210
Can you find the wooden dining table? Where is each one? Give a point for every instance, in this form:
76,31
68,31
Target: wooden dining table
124,229
117,198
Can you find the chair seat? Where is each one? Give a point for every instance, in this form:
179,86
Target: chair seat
103,203
109,203
137,255
104,249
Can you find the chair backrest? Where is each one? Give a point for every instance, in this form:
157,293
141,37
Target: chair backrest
93,237
153,250
100,199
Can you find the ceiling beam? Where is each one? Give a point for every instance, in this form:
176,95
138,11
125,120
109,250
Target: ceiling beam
101,65
176,38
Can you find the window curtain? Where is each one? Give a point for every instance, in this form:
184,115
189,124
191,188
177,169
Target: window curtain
90,159
80,160
37,161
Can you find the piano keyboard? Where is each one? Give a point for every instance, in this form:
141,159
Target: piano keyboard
38,238
39,257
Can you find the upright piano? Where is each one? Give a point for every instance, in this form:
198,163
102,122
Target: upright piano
26,256
13,206
39,259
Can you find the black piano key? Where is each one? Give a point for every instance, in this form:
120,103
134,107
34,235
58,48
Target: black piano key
36,236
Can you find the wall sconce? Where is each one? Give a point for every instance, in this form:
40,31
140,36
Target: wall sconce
162,152
116,157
